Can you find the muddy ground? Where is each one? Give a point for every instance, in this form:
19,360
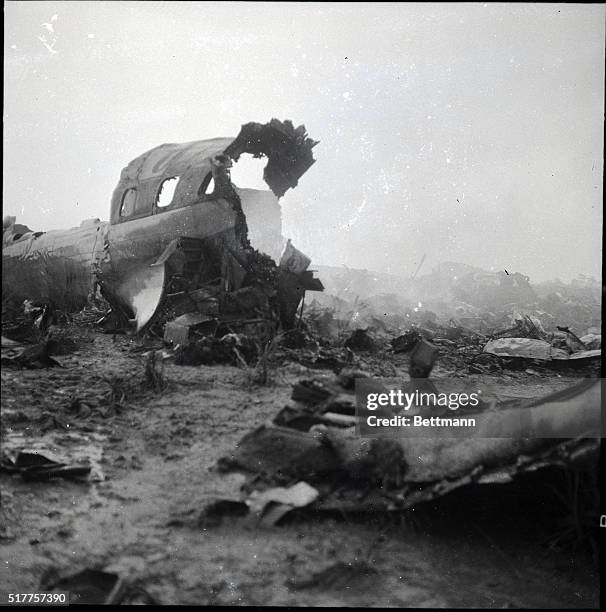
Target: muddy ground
153,456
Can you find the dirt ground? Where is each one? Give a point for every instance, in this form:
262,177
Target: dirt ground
153,458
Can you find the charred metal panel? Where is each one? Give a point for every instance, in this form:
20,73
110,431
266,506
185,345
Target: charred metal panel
146,239
287,148
57,266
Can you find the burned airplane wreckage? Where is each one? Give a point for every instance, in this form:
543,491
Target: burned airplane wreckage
189,258
204,276
199,268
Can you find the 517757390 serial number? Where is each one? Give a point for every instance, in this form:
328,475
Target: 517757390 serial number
37,598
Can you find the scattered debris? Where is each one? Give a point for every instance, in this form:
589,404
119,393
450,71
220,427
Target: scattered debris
214,512
360,340
347,378
32,465
405,342
183,328
35,357
283,453
271,505
528,348
332,461
234,349
422,359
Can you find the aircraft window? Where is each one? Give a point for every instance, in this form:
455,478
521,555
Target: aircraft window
128,202
167,191
208,185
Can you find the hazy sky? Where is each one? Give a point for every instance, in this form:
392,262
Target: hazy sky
469,132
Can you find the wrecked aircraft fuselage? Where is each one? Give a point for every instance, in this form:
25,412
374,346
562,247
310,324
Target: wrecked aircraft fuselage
179,239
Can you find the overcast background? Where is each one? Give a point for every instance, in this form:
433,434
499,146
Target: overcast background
469,132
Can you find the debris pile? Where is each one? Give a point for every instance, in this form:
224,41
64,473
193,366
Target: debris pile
234,349
482,301
482,322
311,455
